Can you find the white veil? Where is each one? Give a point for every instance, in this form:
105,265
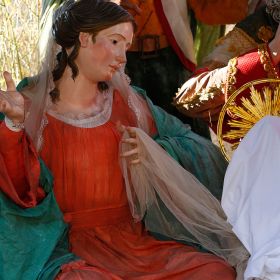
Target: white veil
38,88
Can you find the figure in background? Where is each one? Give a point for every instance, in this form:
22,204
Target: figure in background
214,15
70,119
251,181
228,66
170,41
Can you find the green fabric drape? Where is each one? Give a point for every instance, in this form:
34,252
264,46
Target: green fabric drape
196,154
205,39
33,241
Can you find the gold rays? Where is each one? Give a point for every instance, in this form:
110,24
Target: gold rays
250,110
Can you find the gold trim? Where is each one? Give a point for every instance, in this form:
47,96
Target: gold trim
266,62
231,77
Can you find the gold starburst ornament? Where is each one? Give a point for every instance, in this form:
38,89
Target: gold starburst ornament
249,109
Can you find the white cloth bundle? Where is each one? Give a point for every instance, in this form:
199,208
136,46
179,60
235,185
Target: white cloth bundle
251,198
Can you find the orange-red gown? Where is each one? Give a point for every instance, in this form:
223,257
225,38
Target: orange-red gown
90,191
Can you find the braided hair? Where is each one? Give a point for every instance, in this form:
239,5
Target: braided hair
73,17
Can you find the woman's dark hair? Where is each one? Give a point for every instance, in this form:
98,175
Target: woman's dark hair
73,17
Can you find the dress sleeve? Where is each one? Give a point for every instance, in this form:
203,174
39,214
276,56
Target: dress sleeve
204,95
19,168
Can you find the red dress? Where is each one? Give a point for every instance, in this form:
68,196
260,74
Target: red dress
90,191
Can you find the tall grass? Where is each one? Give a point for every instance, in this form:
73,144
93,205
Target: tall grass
19,33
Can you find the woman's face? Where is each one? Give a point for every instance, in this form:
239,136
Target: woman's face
99,60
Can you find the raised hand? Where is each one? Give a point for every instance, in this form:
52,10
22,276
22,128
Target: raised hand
11,101
133,154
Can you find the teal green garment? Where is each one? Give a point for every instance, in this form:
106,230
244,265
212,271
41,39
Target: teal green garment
205,39
195,153
23,83
33,241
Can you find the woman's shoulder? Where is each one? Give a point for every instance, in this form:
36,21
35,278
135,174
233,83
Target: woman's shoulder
23,84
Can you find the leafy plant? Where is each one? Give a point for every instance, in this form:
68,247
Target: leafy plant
19,35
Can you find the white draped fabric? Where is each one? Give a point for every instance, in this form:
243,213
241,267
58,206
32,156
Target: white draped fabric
251,198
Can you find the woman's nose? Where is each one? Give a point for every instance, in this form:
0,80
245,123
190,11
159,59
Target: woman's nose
121,57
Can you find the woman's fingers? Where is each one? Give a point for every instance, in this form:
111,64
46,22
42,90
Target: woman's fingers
130,152
131,141
133,155
9,81
131,131
120,127
135,161
3,106
11,101
4,95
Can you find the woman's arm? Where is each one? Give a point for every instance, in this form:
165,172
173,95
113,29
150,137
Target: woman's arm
19,168
19,164
203,96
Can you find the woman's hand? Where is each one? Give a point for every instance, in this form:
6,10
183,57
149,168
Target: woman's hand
274,47
133,154
11,101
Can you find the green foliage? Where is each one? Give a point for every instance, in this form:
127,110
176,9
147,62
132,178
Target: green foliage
205,39
19,35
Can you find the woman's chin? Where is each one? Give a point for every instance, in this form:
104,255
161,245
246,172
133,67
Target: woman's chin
109,76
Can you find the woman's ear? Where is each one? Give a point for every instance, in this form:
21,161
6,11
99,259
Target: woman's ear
84,39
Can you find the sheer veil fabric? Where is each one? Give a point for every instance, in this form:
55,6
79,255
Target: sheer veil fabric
188,200
157,176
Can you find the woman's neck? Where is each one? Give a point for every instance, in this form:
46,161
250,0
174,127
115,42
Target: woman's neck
79,92
79,98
